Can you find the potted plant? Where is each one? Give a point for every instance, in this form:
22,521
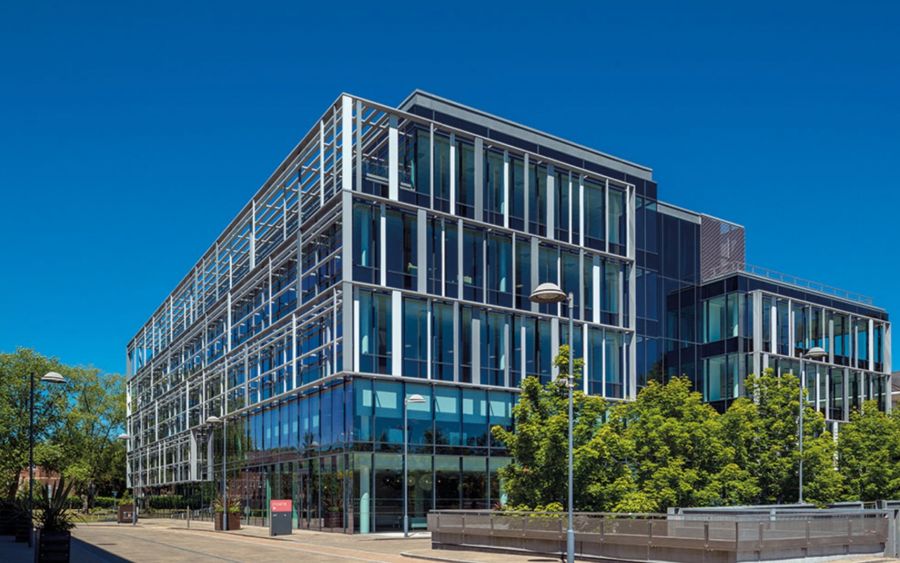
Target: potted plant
333,492
21,521
54,522
227,508
126,510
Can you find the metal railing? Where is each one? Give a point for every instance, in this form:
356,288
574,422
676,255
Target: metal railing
645,537
789,279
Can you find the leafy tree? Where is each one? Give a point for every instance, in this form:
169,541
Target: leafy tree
869,454
680,455
538,473
15,372
76,424
88,437
763,431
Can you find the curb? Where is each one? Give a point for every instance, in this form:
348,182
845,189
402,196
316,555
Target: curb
434,558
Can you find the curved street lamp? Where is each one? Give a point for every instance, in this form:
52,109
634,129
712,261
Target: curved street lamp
49,377
549,292
814,353
414,399
213,419
124,436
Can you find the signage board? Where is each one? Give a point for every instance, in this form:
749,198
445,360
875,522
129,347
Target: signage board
281,513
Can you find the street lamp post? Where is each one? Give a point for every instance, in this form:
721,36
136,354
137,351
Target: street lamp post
814,353
410,400
50,377
216,420
549,292
136,489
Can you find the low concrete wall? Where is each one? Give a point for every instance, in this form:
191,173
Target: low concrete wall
654,537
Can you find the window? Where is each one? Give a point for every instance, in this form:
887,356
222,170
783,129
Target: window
841,339
594,215
862,343
447,421
801,328
388,412
474,416
415,351
588,282
402,259
721,317
537,199
523,273
465,344
548,271
494,201
781,311
571,280
614,366
609,303
465,186
415,184
441,173
451,259
365,242
375,332
517,194
616,231
561,181
442,341
499,271
433,239
539,351
473,264
721,377
836,394
493,349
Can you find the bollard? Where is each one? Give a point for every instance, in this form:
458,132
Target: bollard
189,517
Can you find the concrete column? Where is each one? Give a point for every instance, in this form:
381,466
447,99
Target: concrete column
346,144
479,179
396,333
422,254
364,509
393,159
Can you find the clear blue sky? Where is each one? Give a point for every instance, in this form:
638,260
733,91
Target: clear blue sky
131,133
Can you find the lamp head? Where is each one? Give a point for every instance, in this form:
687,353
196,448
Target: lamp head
815,353
53,377
548,292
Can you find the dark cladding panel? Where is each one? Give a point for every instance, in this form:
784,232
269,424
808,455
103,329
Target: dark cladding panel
722,247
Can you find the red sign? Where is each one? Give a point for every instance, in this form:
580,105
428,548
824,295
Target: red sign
280,505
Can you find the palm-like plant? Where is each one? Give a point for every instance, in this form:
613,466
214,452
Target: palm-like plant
52,512
232,505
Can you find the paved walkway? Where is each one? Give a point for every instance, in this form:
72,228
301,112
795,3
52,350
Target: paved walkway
167,540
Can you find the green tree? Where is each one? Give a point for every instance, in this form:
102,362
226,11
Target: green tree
538,473
763,431
76,424
15,372
680,455
87,438
869,454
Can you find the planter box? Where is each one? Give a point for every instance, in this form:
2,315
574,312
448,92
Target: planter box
22,529
126,514
7,522
52,546
234,521
334,520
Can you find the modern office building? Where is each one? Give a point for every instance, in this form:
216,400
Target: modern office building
392,254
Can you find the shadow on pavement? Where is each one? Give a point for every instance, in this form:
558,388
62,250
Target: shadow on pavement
82,551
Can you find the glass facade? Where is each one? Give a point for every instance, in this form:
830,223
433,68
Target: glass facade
393,254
